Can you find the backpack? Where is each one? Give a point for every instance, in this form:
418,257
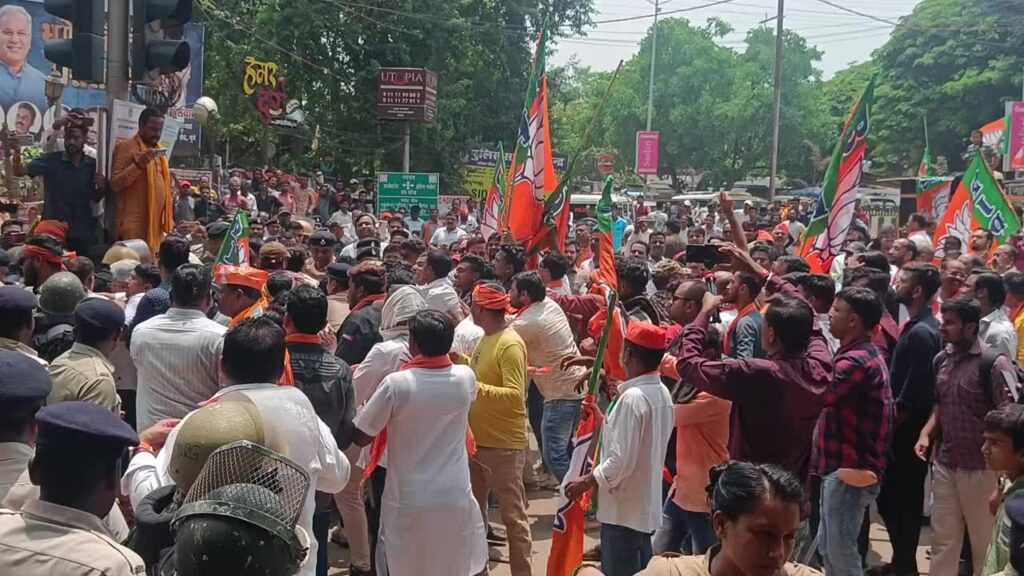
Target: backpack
988,362
54,341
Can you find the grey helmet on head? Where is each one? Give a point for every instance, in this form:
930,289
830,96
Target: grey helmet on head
59,295
240,515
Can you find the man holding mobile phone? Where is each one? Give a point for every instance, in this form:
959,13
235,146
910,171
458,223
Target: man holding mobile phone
70,182
141,182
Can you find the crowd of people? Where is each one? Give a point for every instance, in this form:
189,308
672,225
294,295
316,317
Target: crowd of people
378,380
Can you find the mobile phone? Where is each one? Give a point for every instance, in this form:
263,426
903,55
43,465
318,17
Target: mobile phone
710,282
706,254
160,152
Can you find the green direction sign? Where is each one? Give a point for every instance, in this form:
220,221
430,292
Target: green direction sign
405,189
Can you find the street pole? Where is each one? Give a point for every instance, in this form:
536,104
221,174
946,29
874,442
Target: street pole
405,154
117,88
777,103
654,56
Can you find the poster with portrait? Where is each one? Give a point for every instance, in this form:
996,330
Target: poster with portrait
24,28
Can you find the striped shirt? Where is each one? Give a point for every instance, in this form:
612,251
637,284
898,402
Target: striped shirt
177,356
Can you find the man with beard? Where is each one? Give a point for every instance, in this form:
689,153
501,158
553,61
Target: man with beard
71,183
743,338
366,228
902,252
912,379
43,257
142,182
981,242
470,271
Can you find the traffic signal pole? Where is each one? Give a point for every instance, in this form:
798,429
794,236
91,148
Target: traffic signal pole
117,51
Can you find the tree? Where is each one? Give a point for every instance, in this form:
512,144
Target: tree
331,51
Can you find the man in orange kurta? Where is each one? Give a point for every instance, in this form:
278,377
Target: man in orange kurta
142,184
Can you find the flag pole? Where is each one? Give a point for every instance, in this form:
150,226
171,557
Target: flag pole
926,130
598,111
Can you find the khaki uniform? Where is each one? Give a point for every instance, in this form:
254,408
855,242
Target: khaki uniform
83,373
16,488
337,310
45,538
8,344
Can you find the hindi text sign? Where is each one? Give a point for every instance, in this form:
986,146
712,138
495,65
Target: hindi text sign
407,189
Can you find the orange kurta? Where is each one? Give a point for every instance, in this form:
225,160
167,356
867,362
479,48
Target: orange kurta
144,200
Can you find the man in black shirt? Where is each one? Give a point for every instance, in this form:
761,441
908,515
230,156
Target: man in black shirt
71,184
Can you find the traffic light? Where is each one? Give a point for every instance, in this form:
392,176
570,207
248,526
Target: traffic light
157,47
83,52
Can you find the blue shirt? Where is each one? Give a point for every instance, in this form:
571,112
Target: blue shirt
618,231
29,85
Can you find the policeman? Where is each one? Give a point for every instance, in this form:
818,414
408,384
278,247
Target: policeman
17,321
321,244
215,233
55,324
85,372
337,294
77,468
24,385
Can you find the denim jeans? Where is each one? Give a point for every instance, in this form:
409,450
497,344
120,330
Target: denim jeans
683,531
321,528
624,551
559,424
842,511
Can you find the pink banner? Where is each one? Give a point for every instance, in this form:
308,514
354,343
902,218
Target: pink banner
1016,135
647,149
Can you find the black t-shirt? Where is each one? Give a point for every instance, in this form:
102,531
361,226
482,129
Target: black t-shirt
68,193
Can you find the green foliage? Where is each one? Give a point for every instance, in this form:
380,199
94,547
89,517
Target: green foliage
331,51
955,61
712,105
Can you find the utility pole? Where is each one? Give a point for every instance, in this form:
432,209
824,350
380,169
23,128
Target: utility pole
407,136
777,103
654,57
117,51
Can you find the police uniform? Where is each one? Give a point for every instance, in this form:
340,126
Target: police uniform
83,372
320,239
22,380
12,300
214,231
337,304
46,538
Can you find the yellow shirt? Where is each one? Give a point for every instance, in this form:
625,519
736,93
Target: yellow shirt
498,415
1018,324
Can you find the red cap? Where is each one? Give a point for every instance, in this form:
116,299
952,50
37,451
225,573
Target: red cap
765,236
186,184
646,334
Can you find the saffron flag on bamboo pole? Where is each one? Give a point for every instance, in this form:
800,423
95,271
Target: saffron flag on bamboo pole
568,526
825,234
978,203
605,272
924,170
490,218
532,172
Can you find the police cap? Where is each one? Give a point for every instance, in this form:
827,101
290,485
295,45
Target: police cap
22,378
338,270
71,425
15,299
322,239
100,314
217,229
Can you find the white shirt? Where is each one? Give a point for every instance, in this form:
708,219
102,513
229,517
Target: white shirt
350,250
429,519
131,307
343,218
177,356
997,332
382,359
470,225
445,237
634,440
545,331
291,428
415,226
921,239
441,295
467,336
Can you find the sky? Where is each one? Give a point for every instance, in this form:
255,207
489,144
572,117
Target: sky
842,37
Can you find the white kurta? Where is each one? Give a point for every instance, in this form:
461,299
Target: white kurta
428,514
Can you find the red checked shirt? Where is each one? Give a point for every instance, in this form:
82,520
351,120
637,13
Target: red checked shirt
855,427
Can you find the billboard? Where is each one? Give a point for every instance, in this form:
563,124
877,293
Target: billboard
647,152
478,170
26,27
407,94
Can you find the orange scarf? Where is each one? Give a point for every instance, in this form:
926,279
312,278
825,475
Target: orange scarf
158,169
727,343
1016,312
380,443
287,377
367,301
254,311
299,338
